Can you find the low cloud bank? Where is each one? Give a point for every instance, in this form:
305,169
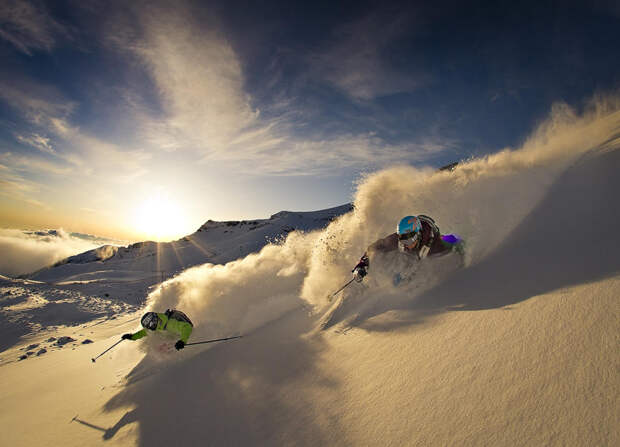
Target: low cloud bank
483,200
24,252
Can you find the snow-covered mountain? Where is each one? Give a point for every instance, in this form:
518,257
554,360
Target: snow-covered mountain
214,242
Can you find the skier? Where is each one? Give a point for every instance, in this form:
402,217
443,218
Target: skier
417,236
172,321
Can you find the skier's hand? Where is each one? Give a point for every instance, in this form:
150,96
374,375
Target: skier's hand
359,273
126,336
179,345
423,253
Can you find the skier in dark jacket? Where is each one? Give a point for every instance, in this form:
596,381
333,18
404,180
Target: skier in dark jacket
418,236
171,321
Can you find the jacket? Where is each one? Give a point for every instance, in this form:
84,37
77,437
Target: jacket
181,328
431,243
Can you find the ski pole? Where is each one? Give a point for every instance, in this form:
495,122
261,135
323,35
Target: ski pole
330,297
213,341
93,359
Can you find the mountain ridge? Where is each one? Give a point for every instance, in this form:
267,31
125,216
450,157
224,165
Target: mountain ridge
216,242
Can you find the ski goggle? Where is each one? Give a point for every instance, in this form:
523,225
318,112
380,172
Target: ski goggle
408,241
150,320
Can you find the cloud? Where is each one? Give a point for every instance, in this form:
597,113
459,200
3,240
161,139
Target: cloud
34,164
207,112
28,26
15,186
199,78
292,156
94,153
27,251
39,103
46,108
354,60
37,141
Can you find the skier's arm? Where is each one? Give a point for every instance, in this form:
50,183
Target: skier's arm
138,335
387,244
361,269
363,262
185,331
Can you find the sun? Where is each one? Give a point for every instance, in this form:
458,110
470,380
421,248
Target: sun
160,218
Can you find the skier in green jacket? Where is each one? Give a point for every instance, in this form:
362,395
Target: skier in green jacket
172,321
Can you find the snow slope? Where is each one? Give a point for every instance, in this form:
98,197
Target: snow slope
519,347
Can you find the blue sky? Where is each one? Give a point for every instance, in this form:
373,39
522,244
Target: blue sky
113,116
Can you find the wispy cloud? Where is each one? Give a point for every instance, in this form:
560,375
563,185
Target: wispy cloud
293,156
48,110
37,141
15,186
207,110
200,82
28,26
39,103
31,164
354,60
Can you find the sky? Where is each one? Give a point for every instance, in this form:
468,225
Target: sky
135,120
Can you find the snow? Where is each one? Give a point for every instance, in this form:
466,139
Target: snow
518,347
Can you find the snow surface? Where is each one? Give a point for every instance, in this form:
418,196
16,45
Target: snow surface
518,347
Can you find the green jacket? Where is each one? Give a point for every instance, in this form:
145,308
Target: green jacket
180,328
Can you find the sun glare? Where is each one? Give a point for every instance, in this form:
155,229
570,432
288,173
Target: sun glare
160,219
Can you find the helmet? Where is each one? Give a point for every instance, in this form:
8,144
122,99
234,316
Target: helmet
409,232
150,320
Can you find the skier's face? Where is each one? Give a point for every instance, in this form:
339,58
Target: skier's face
408,242
408,248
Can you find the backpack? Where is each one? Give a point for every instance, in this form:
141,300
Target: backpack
431,222
178,315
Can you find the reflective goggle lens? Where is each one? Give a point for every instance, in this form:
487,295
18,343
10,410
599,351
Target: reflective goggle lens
150,321
409,242
406,236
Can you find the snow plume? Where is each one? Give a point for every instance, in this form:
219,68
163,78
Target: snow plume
242,295
27,251
483,201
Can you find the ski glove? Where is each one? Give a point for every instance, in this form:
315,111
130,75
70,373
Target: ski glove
179,345
126,336
423,253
